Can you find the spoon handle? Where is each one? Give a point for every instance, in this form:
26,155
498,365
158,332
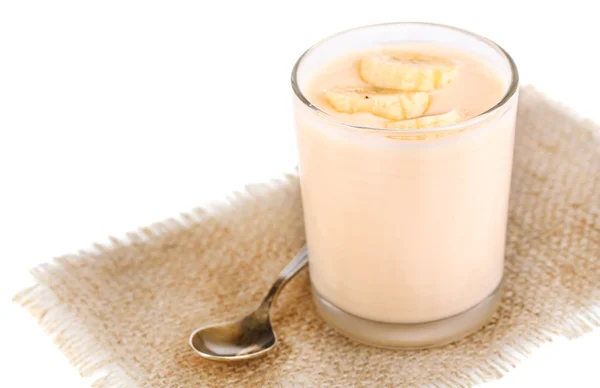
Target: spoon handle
290,270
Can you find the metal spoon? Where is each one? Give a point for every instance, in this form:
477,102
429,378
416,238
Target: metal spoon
252,335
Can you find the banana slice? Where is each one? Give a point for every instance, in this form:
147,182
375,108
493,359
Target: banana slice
391,104
448,118
406,72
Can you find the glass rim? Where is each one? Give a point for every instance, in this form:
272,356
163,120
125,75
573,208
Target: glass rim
510,92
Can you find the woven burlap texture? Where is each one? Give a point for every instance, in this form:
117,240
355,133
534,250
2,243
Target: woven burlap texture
127,309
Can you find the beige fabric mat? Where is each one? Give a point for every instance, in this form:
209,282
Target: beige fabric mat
129,308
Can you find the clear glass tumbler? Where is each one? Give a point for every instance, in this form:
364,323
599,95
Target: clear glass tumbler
405,229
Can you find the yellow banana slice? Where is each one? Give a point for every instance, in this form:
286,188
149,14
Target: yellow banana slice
407,72
391,104
448,118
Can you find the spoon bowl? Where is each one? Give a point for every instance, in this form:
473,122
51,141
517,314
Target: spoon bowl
246,338
251,336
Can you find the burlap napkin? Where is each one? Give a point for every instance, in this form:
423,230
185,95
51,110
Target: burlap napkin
129,308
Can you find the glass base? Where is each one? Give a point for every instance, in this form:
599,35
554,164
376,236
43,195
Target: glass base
411,335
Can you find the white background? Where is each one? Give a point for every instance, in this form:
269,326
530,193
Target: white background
116,114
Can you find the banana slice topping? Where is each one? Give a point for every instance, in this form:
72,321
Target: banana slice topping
408,72
387,103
